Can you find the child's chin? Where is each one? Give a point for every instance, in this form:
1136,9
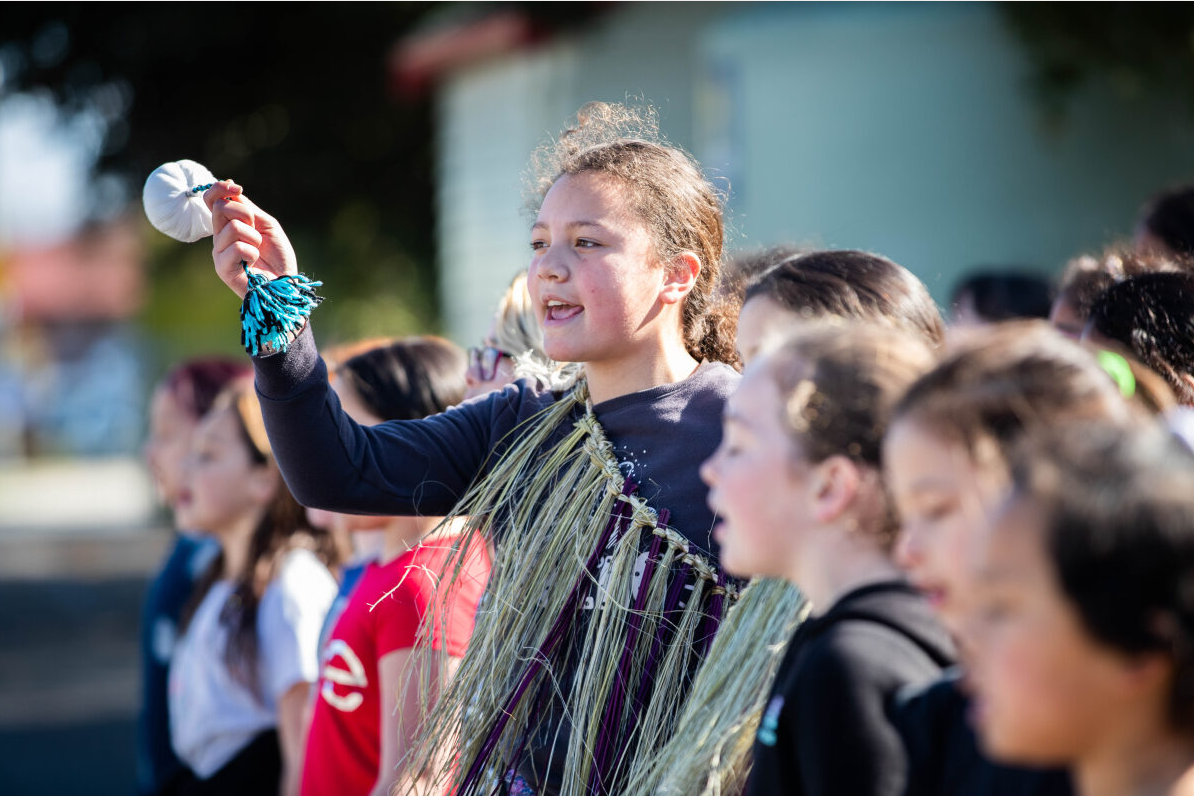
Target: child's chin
565,351
1004,744
736,564
995,745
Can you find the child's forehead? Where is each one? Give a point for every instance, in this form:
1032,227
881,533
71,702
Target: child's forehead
588,197
217,425
757,398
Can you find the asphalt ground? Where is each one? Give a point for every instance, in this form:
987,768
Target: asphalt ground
69,663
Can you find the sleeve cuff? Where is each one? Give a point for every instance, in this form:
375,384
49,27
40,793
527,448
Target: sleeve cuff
282,374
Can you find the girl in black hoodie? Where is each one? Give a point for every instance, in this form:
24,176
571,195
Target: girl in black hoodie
797,483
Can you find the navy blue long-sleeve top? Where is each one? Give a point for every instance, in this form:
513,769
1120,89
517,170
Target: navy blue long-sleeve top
403,467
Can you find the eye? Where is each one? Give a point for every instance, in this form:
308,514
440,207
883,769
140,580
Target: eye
937,512
204,456
536,245
994,611
732,446
586,243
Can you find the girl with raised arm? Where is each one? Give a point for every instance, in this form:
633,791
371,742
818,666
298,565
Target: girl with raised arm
605,591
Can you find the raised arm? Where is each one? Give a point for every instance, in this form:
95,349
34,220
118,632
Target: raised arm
244,233
401,467
328,460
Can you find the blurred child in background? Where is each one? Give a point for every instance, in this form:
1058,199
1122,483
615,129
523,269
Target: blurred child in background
243,668
1166,225
798,484
1086,278
1153,316
994,296
367,709
843,284
183,397
514,336
1083,628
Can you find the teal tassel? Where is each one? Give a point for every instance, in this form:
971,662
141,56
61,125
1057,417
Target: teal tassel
275,309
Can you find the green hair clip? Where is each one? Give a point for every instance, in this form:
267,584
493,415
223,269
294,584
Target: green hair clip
1119,370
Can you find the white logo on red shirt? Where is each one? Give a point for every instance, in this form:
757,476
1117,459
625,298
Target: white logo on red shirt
353,676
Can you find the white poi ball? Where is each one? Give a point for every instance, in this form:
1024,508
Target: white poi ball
172,206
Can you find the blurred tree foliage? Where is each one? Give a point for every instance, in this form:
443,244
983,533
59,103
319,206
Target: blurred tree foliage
294,102
1135,48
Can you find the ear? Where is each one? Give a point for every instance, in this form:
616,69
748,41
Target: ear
1188,379
679,277
1154,670
836,482
1146,673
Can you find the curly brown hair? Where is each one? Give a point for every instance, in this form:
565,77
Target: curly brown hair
682,210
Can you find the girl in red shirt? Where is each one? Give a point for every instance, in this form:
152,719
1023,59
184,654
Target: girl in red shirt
358,733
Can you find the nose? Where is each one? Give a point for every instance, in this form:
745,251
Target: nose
908,552
548,265
708,470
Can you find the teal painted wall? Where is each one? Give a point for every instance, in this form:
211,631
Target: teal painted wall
908,130
905,129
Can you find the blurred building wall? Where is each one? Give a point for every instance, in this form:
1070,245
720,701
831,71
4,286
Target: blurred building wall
903,129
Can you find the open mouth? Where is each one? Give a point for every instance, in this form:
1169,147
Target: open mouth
934,593
562,311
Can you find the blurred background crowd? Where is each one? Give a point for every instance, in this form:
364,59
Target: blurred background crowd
982,145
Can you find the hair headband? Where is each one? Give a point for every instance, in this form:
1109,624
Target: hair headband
1119,370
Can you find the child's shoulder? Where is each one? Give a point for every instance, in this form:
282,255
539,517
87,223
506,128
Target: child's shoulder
883,633
710,386
718,374
299,571
857,653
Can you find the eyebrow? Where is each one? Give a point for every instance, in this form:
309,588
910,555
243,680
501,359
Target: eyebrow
999,573
734,416
573,224
932,483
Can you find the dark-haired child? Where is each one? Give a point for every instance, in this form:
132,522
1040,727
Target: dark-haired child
994,296
1153,316
945,454
1166,224
1083,619
835,283
798,484
359,734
